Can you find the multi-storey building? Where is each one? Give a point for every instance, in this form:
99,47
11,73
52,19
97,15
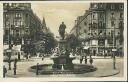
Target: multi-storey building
21,26
101,27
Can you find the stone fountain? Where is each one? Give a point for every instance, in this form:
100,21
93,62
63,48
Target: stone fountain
63,60
62,64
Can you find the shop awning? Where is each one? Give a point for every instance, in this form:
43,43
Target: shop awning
9,50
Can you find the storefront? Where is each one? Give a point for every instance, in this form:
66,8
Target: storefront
101,51
94,50
86,50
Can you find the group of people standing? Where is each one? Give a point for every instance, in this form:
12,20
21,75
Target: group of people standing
86,59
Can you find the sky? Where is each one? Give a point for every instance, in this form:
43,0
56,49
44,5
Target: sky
55,13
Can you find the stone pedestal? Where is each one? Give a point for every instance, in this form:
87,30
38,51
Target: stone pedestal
60,61
62,44
63,60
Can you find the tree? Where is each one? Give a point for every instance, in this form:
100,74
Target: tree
46,43
40,46
73,41
50,42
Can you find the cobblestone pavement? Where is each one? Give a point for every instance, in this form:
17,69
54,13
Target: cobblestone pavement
104,68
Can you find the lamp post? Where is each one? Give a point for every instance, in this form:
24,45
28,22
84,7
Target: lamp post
26,41
10,48
114,49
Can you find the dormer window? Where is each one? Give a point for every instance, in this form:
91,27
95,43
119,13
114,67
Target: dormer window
95,6
10,4
6,4
112,6
121,6
101,5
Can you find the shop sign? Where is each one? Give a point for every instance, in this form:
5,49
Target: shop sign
8,50
94,42
114,49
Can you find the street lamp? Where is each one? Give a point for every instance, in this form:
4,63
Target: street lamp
10,48
114,49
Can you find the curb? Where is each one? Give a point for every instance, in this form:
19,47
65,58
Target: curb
110,74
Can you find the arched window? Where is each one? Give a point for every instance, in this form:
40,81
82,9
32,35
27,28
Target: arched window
112,6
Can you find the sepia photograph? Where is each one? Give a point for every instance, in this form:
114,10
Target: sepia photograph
63,39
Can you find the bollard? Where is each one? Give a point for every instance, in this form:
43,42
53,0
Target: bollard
37,69
114,62
9,64
114,67
91,61
80,61
42,58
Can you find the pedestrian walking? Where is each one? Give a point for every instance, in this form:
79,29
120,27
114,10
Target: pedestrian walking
26,57
91,60
85,59
42,58
4,71
37,69
114,62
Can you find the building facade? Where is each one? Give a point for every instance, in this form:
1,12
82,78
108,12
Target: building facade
21,26
101,27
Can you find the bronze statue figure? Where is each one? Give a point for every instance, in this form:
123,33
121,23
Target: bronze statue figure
62,30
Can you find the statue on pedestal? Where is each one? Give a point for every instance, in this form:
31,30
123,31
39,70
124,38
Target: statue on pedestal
62,30
63,61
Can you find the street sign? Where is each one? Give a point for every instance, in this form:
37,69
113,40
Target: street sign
86,47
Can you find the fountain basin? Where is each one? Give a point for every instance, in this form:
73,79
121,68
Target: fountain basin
46,69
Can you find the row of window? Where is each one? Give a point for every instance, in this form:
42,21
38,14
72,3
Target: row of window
101,15
102,25
111,6
113,15
96,15
16,23
113,24
16,15
101,42
15,5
